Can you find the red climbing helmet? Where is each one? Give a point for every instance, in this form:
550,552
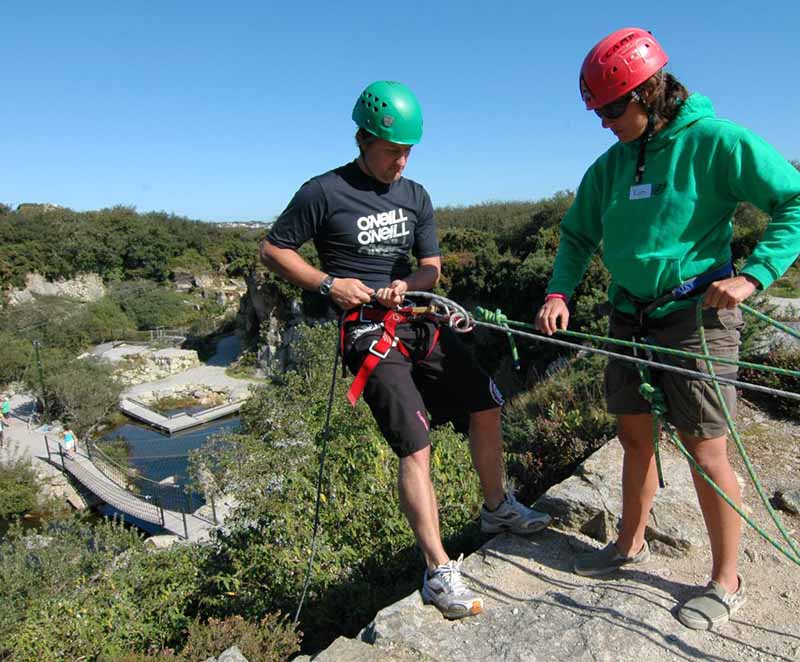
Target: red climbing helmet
618,64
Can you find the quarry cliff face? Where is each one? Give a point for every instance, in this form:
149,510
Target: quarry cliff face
86,287
266,312
272,310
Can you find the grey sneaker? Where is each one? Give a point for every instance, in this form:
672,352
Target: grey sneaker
714,606
604,561
445,588
512,516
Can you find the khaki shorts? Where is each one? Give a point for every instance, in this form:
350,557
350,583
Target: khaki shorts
692,404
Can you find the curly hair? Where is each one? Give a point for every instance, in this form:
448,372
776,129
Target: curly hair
663,94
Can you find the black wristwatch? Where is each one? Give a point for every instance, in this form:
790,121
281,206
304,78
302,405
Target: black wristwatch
326,285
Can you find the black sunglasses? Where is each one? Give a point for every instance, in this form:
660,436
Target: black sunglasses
615,109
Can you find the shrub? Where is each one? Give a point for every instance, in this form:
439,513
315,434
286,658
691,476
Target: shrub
81,391
151,306
19,486
557,424
78,590
785,357
272,639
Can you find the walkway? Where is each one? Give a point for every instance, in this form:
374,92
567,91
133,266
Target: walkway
211,374
87,472
32,441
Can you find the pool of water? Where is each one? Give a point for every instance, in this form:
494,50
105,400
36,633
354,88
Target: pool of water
158,456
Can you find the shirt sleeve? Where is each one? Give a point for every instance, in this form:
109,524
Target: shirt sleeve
581,232
759,174
302,219
426,243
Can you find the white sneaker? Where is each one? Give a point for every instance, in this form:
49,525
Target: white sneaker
445,588
512,516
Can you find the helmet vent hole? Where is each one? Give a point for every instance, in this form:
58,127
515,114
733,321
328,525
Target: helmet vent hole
614,70
383,104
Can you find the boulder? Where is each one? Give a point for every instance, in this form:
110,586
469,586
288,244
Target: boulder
590,501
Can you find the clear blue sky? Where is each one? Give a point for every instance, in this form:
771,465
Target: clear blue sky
221,110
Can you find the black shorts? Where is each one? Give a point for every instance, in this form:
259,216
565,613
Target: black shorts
443,380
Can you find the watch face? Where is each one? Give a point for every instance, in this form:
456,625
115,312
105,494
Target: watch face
325,286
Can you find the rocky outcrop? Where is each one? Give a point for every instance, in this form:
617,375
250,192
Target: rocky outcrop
590,502
150,366
220,288
538,609
267,311
203,394
84,287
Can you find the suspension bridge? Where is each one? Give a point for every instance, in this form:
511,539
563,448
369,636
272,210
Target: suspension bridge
171,507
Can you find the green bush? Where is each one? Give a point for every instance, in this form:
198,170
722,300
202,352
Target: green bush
117,243
272,639
81,391
14,358
19,486
151,306
554,426
787,358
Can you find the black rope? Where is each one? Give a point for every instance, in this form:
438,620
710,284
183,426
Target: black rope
325,435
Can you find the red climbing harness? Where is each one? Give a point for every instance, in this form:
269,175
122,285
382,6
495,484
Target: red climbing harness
380,348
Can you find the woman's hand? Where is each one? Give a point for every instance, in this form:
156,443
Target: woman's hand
552,316
730,292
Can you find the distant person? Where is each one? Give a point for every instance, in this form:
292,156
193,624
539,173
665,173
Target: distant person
5,408
2,430
661,201
364,218
68,441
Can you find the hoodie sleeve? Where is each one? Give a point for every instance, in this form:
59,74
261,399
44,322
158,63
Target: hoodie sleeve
760,175
581,232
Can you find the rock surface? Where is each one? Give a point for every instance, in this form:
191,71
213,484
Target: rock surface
84,287
150,366
538,609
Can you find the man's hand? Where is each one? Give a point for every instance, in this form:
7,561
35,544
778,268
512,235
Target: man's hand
552,316
730,292
348,293
392,296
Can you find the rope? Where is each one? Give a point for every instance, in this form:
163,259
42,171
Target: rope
654,364
325,434
657,401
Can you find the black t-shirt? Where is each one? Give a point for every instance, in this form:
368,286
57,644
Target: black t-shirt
362,228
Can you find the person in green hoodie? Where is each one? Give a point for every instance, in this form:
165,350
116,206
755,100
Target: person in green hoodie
661,201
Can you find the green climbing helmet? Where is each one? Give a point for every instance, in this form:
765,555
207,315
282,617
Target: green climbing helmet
390,111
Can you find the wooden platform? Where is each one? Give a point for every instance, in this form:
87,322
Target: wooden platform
176,422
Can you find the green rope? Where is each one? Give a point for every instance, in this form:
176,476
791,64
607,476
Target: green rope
795,556
655,397
500,319
670,350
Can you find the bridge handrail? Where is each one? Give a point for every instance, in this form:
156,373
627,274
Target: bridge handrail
178,498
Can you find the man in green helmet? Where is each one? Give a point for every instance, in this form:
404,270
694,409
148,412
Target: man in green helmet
365,218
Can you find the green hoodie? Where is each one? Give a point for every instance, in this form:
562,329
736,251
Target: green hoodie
698,169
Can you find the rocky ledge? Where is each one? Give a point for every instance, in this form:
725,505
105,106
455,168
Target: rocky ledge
538,609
